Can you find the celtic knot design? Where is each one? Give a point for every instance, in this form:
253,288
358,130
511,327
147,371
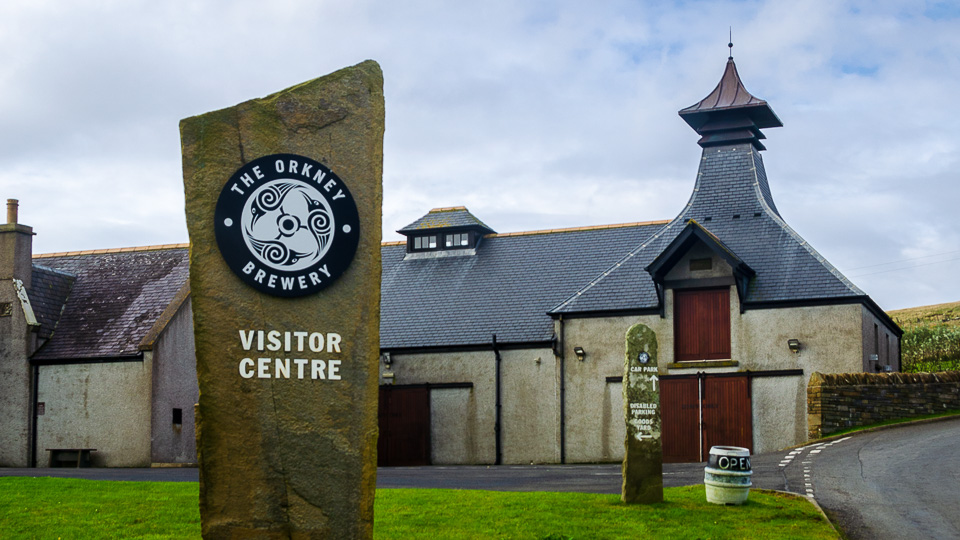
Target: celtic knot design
288,224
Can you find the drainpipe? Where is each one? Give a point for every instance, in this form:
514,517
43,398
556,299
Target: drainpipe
497,430
33,424
900,355
563,397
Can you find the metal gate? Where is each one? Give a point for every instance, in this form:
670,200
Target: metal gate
404,422
700,411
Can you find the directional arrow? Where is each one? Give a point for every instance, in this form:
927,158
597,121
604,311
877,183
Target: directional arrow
654,378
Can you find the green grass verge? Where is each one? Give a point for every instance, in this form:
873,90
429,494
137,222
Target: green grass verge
69,509
891,422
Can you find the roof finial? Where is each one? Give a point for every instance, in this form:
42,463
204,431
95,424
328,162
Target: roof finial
730,44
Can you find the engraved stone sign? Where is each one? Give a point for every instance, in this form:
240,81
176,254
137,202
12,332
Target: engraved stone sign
283,204
643,455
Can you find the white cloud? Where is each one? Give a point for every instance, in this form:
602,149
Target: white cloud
534,115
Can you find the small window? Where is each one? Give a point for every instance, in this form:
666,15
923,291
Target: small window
425,242
701,264
178,417
457,240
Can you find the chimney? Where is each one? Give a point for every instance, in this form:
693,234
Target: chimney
12,205
16,247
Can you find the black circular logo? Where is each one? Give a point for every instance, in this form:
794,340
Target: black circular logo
286,225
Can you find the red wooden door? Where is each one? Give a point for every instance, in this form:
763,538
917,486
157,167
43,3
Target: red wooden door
404,422
701,324
727,413
680,420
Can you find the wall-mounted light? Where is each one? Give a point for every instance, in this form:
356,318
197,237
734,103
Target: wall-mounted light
794,345
385,357
580,353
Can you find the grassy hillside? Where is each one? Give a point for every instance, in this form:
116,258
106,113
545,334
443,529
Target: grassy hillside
939,314
931,337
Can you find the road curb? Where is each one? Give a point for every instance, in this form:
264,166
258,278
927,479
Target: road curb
873,429
812,501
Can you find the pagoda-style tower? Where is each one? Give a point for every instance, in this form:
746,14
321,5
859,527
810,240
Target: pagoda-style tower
731,213
733,294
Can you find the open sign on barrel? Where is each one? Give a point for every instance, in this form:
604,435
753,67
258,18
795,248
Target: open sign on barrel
729,463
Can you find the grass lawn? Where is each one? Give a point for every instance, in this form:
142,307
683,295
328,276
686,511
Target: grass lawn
66,508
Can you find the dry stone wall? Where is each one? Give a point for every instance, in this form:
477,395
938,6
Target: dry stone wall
841,400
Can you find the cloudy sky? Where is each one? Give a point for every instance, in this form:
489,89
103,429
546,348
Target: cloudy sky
534,115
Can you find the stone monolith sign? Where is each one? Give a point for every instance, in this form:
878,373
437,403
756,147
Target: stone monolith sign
283,204
643,455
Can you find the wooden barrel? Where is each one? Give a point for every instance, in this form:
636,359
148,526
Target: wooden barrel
727,476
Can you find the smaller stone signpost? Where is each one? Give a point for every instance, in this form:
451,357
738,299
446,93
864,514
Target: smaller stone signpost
643,455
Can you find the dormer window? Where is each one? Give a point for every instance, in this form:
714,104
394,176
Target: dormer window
444,232
457,240
421,243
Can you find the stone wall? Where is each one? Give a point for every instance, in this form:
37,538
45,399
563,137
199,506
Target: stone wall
842,400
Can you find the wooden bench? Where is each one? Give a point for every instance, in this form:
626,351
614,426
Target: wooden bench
60,457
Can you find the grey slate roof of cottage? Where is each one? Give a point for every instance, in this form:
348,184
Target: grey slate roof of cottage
505,289
446,218
116,297
48,293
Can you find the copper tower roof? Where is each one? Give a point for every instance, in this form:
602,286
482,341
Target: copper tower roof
730,113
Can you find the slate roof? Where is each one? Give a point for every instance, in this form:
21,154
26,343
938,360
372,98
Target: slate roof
731,200
115,299
446,218
505,289
48,293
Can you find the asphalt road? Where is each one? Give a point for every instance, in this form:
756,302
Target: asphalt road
896,483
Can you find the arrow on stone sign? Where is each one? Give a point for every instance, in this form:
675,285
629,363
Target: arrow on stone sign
654,378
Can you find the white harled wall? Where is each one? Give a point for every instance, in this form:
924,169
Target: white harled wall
463,419
103,405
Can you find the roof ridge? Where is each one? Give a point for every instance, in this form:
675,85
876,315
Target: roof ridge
578,229
53,270
554,231
110,250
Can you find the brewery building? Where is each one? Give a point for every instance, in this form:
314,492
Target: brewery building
496,348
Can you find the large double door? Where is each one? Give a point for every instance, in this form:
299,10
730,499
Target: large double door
700,411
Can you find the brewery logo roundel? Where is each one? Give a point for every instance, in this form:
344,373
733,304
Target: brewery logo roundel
286,225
